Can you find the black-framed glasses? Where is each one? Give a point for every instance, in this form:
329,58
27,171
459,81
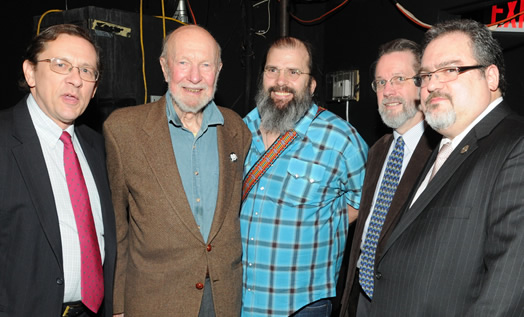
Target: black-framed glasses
291,73
64,67
395,82
445,74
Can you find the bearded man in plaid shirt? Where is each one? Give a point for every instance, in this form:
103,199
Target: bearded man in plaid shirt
298,201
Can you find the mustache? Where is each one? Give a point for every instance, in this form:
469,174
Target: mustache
281,89
437,94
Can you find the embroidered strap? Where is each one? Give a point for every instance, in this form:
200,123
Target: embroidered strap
266,160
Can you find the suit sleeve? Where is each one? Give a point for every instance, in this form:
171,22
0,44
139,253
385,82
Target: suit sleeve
502,291
119,194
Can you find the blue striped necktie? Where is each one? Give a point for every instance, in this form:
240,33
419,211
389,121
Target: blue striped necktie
387,190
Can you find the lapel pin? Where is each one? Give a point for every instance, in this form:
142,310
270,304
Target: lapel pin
233,157
464,149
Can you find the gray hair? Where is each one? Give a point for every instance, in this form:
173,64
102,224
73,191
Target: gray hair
486,50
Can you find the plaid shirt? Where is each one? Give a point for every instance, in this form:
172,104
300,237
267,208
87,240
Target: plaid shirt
294,222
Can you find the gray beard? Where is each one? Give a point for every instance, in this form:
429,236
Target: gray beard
441,121
274,119
395,122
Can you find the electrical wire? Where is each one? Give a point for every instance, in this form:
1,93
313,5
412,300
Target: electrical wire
42,17
262,33
191,10
163,18
320,17
492,26
143,50
411,17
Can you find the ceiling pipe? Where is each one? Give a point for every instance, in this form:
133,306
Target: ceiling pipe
284,18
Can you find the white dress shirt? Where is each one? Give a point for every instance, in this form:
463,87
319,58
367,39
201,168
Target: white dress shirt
53,149
411,139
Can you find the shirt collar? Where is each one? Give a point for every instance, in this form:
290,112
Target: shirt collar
456,141
304,123
412,136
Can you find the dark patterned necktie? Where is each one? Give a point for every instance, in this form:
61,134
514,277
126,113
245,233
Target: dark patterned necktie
92,280
385,195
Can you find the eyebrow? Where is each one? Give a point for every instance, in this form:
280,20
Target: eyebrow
397,74
440,65
85,64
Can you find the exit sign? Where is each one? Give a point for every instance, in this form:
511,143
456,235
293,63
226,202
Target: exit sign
503,11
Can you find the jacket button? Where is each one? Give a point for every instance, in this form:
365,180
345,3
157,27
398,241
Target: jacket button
59,281
208,248
378,276
199,285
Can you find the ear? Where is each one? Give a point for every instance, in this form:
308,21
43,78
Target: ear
312,86
94,90
492,77
165,68
29,73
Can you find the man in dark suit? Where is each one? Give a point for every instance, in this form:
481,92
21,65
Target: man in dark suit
175,168
45,235
457,249
398,101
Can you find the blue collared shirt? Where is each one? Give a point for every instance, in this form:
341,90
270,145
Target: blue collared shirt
197,161
294,222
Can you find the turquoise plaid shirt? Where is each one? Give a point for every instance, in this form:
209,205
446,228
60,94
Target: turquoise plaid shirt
294,222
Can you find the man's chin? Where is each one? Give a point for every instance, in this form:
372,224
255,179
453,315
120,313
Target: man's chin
281,104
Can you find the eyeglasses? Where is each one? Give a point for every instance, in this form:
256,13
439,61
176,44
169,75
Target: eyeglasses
64,67
395,82
445,74
291,73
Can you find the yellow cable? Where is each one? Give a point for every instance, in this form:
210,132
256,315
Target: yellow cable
42,17
172,19
143,52
163,18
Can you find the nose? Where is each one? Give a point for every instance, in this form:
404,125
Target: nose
194,74
388,89
74,77
433,83
282,77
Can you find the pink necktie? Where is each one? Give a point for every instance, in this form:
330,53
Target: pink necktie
442,156
92,277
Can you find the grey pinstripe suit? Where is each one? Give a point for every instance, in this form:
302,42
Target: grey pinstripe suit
458,251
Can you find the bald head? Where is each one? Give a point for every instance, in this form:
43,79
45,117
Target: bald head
190,33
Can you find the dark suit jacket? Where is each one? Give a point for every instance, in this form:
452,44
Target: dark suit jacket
162,257
31,272
376,159
458,251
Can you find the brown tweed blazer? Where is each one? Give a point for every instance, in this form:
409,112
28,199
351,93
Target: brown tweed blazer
162,258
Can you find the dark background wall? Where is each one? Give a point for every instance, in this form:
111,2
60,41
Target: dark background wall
347,39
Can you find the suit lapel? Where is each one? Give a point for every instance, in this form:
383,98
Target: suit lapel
32,166
97,166
457,158
422,152
158,151
227,176
373,170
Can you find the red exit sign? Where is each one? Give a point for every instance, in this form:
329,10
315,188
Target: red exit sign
503,11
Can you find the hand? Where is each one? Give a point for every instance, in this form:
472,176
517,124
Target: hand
119,315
